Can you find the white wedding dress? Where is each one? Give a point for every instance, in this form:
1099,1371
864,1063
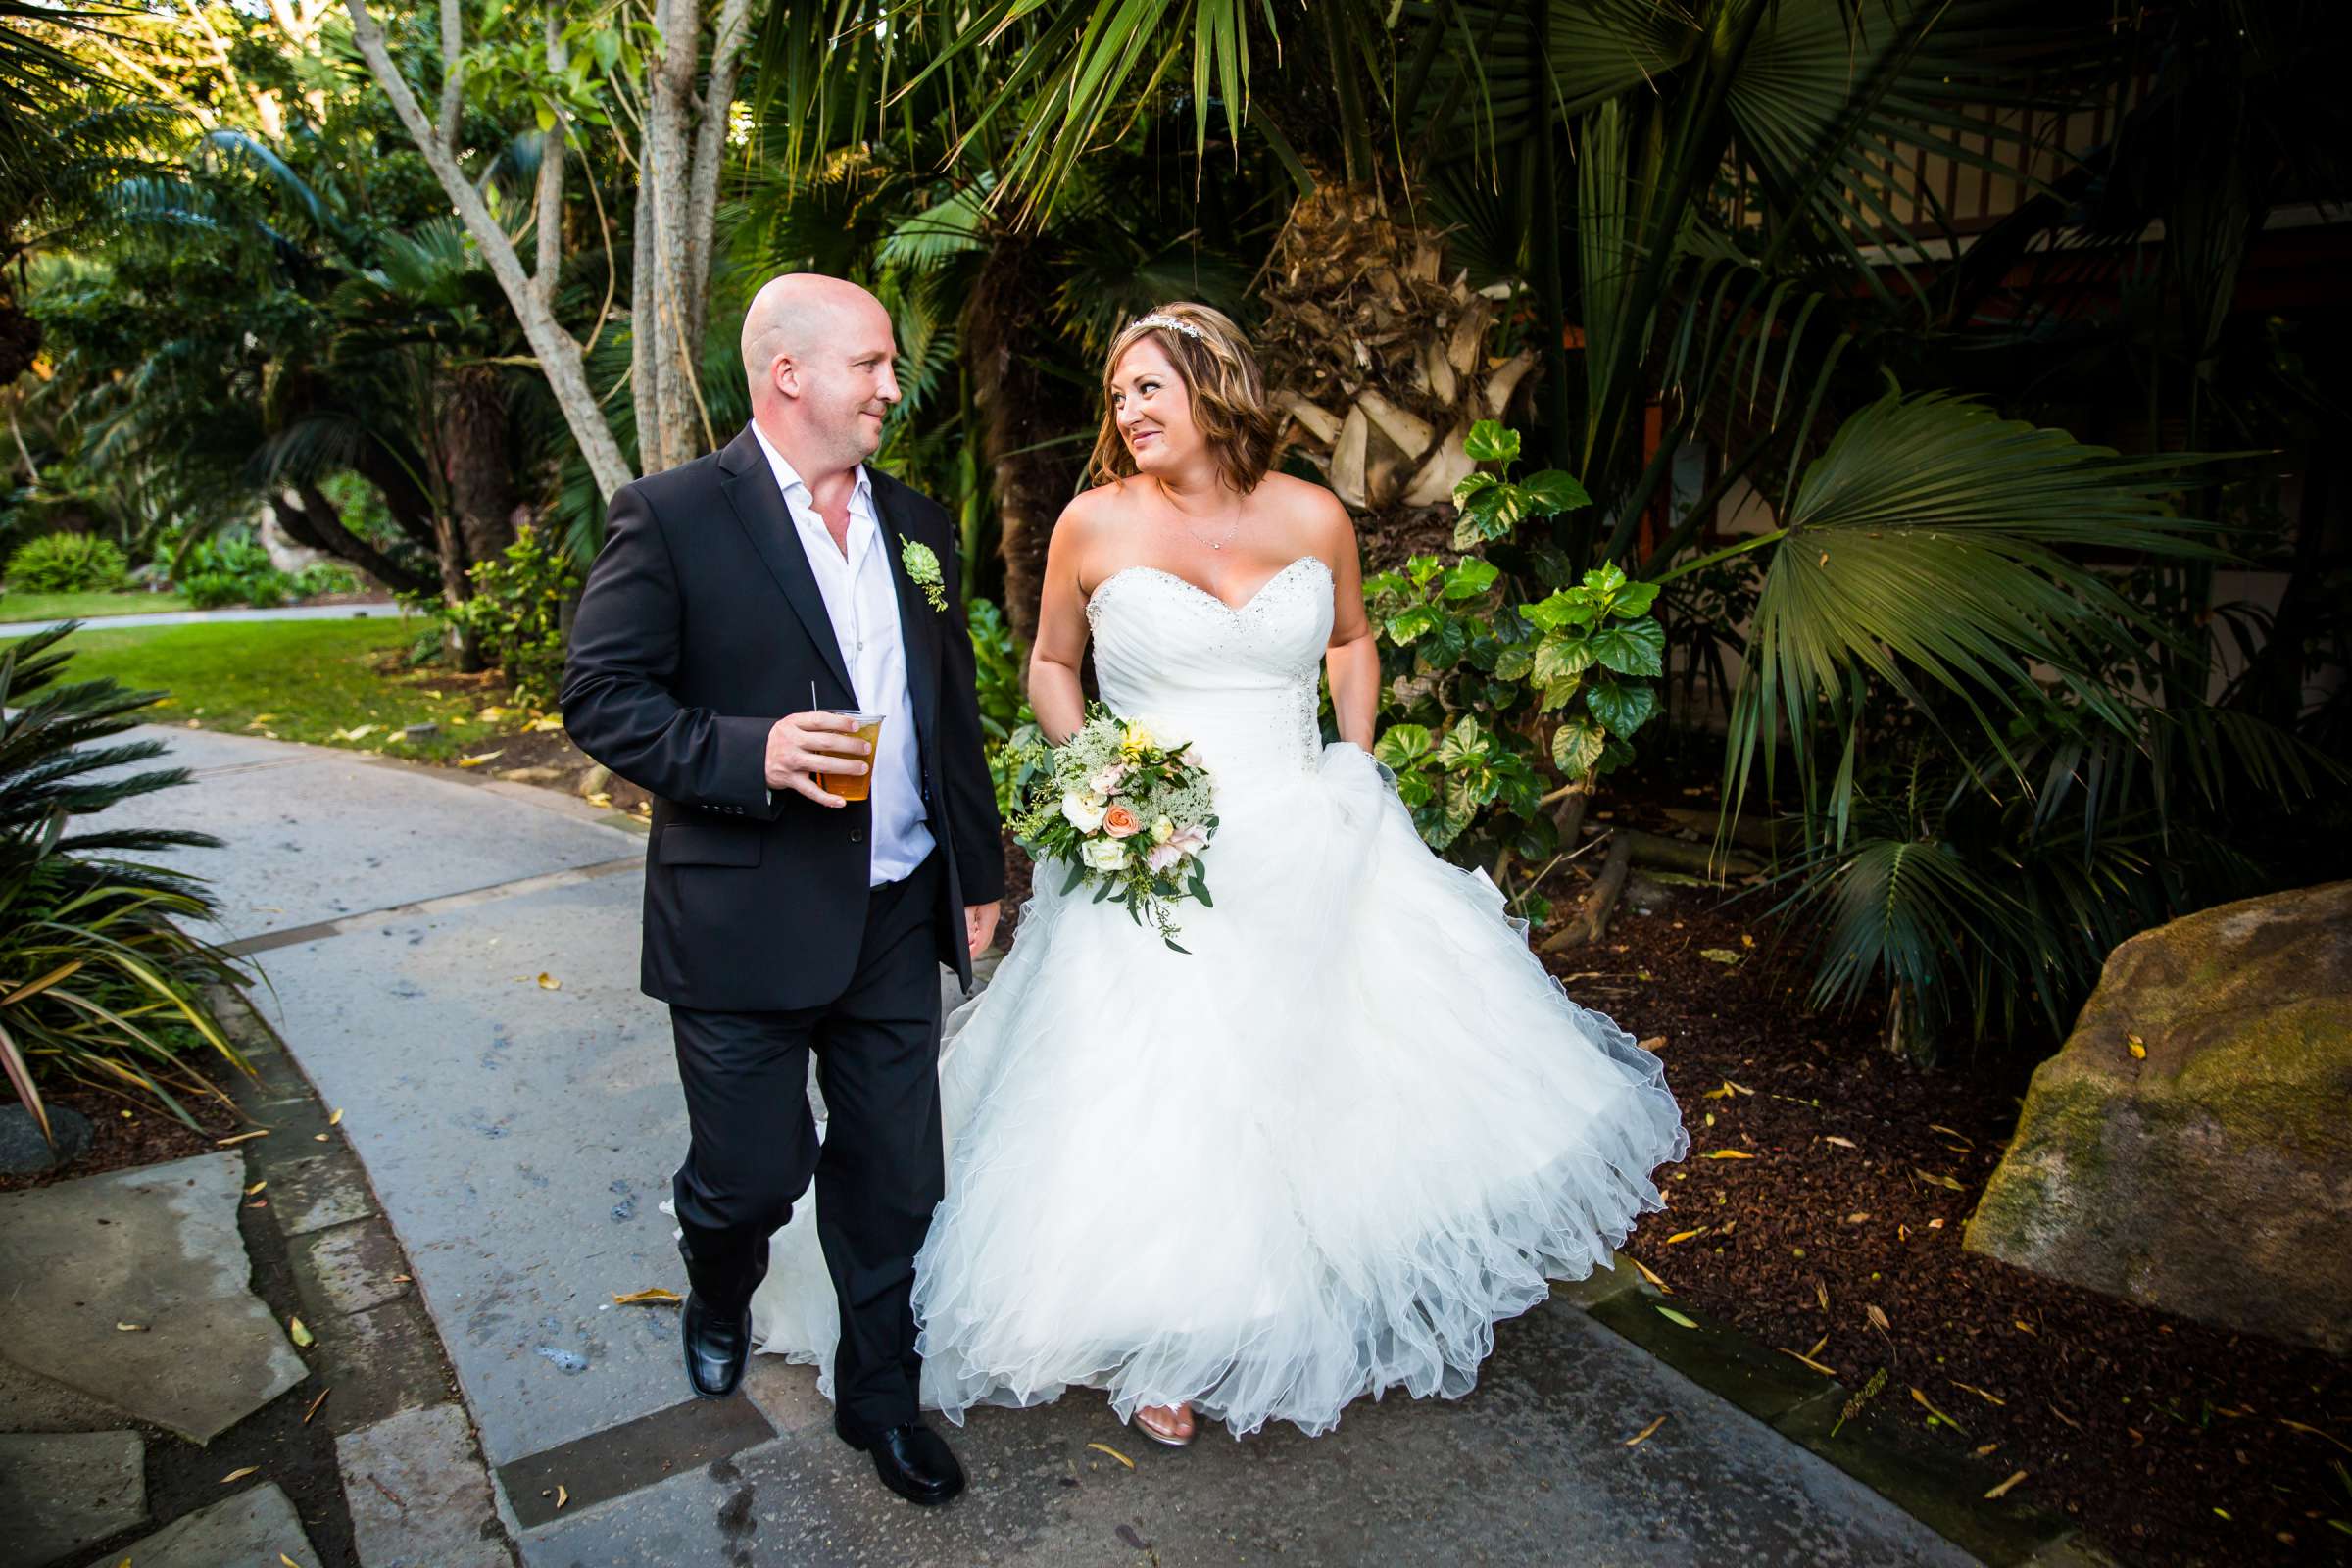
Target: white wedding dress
1315,1158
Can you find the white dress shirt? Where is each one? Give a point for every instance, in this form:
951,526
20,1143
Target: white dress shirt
862,600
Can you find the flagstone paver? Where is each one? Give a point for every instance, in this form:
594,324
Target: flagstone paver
256,1526
60,1491
158,1250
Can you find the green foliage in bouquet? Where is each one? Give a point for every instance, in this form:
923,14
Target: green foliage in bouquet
1123,810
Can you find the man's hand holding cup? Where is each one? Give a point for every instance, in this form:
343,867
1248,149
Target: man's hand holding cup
808,751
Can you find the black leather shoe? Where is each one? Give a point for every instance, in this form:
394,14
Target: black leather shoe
714,1324
717,1346
912,1460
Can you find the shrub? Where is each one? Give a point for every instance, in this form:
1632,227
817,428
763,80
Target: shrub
67,562
101,983
209,590
312,581
231,569
515,615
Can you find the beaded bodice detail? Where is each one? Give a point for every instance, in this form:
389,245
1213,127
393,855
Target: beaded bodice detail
1239,682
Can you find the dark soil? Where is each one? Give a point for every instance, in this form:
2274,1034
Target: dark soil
125,1133
2167,1440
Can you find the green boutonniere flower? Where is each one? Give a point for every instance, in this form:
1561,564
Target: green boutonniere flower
922,567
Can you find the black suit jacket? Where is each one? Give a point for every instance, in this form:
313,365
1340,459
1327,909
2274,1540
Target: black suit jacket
700,625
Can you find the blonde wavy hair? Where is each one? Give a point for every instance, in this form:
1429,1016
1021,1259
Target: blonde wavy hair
1227,393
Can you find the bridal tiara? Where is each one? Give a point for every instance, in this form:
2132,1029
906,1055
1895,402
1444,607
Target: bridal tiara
1172,324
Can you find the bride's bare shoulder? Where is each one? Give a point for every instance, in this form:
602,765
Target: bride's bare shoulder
1319,517
1092,510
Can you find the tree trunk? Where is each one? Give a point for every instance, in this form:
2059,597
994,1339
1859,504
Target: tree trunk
1381,361
1020,410
557,350
311,521
477,465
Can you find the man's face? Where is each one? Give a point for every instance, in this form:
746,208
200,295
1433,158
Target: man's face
846,382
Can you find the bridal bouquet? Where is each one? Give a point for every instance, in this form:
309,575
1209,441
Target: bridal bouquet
1124,812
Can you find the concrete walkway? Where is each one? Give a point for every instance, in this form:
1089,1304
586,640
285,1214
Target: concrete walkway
454,963
191,618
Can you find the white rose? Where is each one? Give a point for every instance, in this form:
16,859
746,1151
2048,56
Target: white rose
1084,811
1103,855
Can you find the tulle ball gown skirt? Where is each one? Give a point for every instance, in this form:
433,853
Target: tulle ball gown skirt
1316,1157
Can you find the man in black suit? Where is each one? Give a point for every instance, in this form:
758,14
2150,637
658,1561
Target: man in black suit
736,599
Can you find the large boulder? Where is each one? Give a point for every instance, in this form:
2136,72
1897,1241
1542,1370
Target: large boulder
2213,1175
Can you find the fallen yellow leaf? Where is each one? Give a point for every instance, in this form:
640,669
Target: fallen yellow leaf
1720,955
1939,1181
298,1334
2137,1045
1984,1449
336,1118
239,1474
647,1297
1653,1043
1842,1143
1648,1275
288,1561
314,1404
547,722
1684,1236
257,1187
1747,941
1672,1316
563,1495
476,761
1113,1452
1727,1153
130,1328
223,1143
1646,1432
1982,1393
1827,1372
1857,1218
1877,1319
548,982
2015,1477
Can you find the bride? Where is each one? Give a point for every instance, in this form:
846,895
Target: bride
1321,1153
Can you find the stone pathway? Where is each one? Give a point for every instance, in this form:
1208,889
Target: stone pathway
452,963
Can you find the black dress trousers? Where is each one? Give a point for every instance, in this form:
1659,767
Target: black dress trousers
881,1167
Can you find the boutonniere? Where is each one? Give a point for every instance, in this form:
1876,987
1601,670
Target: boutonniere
922,567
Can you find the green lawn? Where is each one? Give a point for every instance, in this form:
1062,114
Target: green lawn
85,607
321,681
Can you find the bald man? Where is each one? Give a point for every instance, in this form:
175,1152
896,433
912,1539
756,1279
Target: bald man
740,605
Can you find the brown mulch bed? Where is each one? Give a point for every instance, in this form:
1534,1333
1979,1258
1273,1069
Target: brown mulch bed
124,1134
2164,1438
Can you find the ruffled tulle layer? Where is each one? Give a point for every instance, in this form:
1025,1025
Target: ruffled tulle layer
1316,1159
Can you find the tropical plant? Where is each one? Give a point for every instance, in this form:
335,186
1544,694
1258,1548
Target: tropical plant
67,562
100,981
1696,227
514,614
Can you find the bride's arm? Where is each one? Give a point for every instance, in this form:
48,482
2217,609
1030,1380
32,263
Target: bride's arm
1353,659
1056,695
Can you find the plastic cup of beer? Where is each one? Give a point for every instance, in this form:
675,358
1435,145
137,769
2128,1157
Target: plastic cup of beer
854,786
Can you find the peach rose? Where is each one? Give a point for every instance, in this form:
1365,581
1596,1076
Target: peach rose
1119,823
